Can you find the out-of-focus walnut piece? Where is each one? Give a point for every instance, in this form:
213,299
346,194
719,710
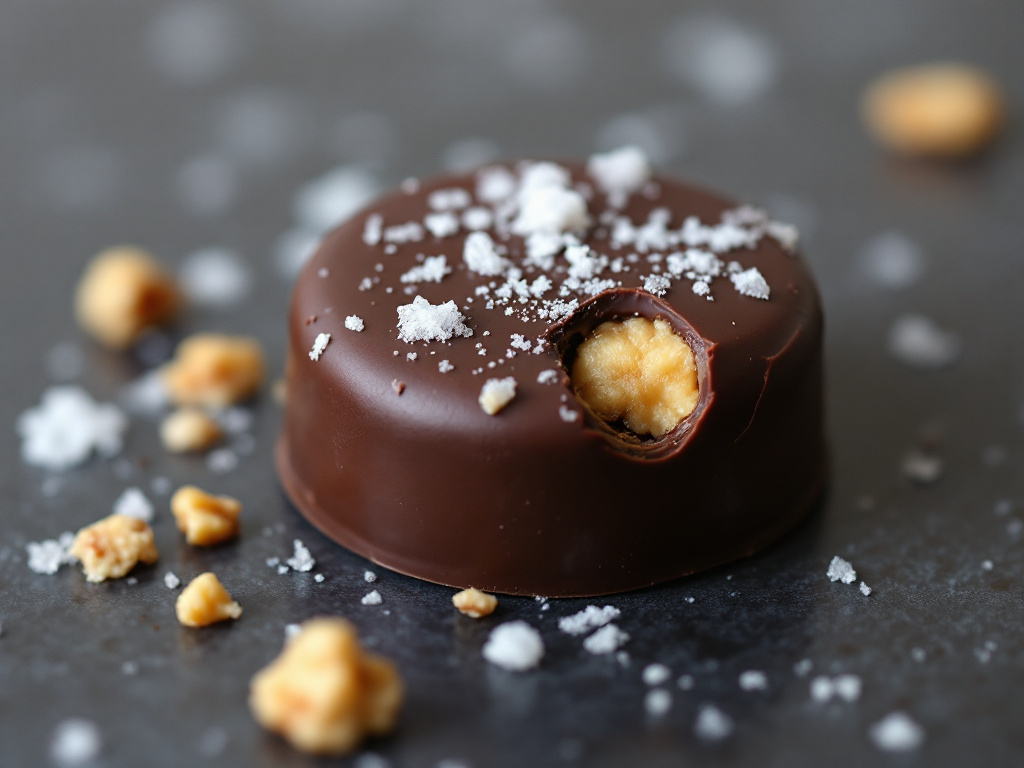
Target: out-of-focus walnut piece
111,547
936,110
205,601
123,293
189,429
637,370
474,603
324,693
214,370
203,518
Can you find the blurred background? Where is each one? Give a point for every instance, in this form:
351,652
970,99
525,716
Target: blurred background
227,136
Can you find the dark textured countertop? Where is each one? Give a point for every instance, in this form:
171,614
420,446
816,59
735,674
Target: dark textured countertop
186,125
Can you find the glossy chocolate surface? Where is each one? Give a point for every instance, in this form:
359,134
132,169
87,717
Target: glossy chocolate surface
396,460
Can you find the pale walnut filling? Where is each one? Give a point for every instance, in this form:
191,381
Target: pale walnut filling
637,371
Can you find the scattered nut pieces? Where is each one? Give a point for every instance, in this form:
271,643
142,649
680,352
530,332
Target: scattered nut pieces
203,518
123,293
945,110
639,371
205,601
324,693
111,547
474,603
188,430
213,370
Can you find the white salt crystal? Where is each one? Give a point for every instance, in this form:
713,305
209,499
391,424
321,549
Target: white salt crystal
133,503
589,618
656,674
369,577
841,570
214,277
822,689
496,394
301,560
657,702
847,687
67,426
916,341
75,742
334,197
657,284
547,376
477,218
171,580
551,209
445,366
423,321
441,224
481,255
495,184
354,323
46,557
449,199
433,269
372,598
373,229
897,732
145,395
567,414
753,680
319,345
865,589
620,173
751,283
712,723
514,646
319,578
607,639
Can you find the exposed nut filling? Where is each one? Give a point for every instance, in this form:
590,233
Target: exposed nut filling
637,371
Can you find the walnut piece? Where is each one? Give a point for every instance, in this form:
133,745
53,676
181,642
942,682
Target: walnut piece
203,518
113,546
123,293
937,110
639,371
324,693
474,603
205,601
213,370
189,429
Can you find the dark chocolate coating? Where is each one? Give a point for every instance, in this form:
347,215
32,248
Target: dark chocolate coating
421,480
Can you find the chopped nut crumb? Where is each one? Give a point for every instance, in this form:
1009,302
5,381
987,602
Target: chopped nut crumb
205,601
324,693
111,547
939,110
189,429
203,518
123,293
214,370
474,603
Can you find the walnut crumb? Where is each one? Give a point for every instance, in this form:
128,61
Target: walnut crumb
474,603
324,693
203,518
111,547
189,429
205,601
214,370
123,293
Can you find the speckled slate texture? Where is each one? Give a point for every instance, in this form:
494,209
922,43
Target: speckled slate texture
97,121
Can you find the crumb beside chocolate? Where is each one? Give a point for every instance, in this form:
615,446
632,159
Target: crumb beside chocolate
945,110
324,693
123,293
203,518
214,370
474,603
188,430
205,601
111,547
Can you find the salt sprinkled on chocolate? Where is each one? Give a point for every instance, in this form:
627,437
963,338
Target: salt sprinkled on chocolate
423,321
441,224
620,173
481,255
751,283
433,269
515,646
354,323
319,345
373,229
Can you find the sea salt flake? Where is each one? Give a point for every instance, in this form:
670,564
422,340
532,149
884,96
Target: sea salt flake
373,229
712,724
656,674
865,589
481,255
47,556
433,269
75,742
133,503
411,356
319,345
369,577
657,284
620,173
847,687
657,702
215,277
410,232
445,366
450,199
567,414
751,283
371,598
477,218
521,342
589,618
441,224
607,639
301,560
753,680
67,426
496,394
171,580
548,376
841,570
551,209
495,184
423,321
897,732
515,646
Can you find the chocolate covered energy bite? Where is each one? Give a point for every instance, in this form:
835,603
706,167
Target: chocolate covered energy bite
554,380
